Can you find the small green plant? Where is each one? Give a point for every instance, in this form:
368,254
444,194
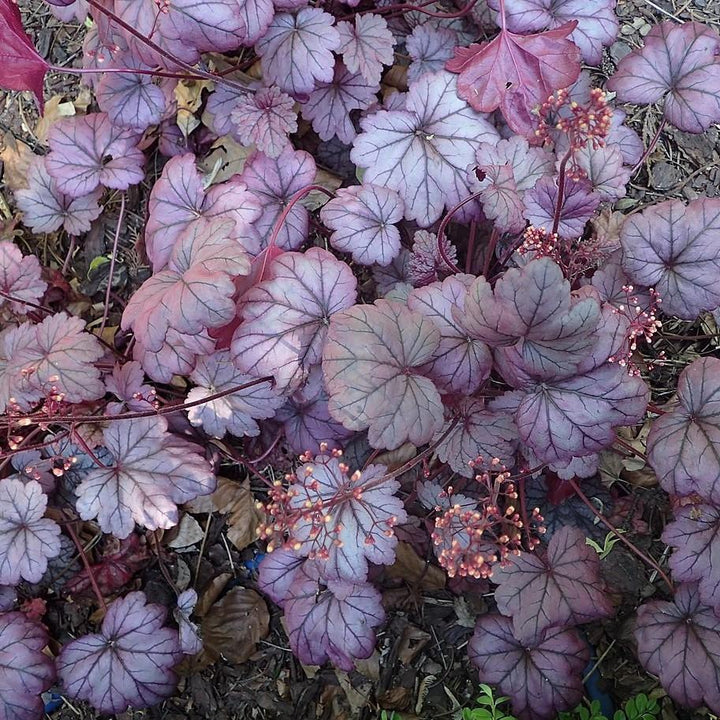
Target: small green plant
641,707
582,712
489,707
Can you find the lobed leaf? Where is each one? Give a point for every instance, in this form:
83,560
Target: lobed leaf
366,46
20,278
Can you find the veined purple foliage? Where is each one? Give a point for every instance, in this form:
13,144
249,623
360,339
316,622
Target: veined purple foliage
127,383
426,264
366,46
20,278
430,48
265,118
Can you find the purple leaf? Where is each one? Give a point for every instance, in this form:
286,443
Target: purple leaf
459,364
210,25
296,50
511,167
152,472
274,182
235,413
277,573
423,152
256,16
430,48
190,641
362,219
363,512
678,63
604,169
30,465
480,433
128,663
426,264
27,539
672,247
398,271
176,356
26,670
178,201
285,318
219,107
88,150
560,590
127,383
371,364
541,679
694,536
196,290
366,46
335,622
265,119
20,277
46,209
533,307
306,418
682,444
680,643
577,416
330,104
597,24
578,206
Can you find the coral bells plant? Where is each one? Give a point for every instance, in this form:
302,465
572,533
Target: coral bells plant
364,284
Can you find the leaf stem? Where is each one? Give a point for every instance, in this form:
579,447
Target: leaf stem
86,563
106,309
441,231
127,71
650,147
561,190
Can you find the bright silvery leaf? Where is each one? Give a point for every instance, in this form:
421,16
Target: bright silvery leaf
562,589
256,16
277,573
207,25
542,678
285,318
296,50
673,247
274,181
459,364
366,46
27,539
46,209
579,204
236,412
331,619
430,47
265,118
330,104
362,218
363,511
25,670
190,641
153,471
20,277
372,360
423,151
679,642
679,64
128,663
682,444
88,150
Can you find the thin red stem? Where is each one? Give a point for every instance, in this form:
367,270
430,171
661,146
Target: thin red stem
128,71
86,563
470,246
490,251
441,231
561,191
650,147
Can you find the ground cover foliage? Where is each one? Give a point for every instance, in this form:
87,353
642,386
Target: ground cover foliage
390,311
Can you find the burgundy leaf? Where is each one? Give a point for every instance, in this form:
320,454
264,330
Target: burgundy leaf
427,264
682,444
88,150
430,48
560,590
234,413
332,621
265,119
46,209
20,277
27,539
128,663
296,50
597,24
362,219
330,104
274,182
459,364
25,670
694,536
480,434
423,152
516,73
366,46
678,63
362,511
672,247
23,68
579,204
542,678
371,363
285,318
152,472
680,643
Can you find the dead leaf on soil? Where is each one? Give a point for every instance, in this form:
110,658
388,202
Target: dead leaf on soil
16,157
412,641
410,567
188,94
228,156
211,592
189,533
235,500
55,108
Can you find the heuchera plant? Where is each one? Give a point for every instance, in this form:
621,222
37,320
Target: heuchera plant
457,299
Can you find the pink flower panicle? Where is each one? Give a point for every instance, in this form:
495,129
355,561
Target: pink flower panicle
469,541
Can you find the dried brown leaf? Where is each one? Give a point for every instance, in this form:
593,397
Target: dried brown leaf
235,500
410,567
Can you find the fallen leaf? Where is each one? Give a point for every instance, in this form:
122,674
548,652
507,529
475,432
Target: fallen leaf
235,500
227,158
55,109
189,533
410,567
16,157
